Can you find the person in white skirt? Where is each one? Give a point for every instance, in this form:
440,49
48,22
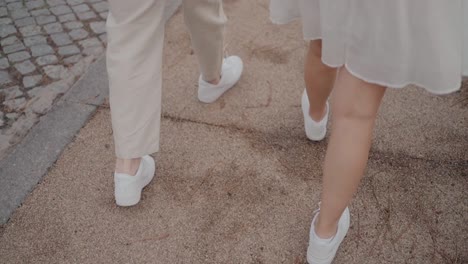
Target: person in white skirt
358,48
135,32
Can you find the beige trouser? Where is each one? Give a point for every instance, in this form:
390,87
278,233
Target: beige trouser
134,56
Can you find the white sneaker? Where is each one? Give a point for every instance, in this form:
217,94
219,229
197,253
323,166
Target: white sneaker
323,252
315,131
231,72
128,188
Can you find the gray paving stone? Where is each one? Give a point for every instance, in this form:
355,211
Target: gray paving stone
60,10
41,20
35,4
13,48
103,37
15,5
34,40
31,81
98,27
92,42
61,39
30,30
41,50
93,1
73,59
19,13
40,12
55,2
53,28
104,15
101,6
86,15
78,34
35,91
9,41
5,21
95,50
15,104
12,92
25,21
73,25
25,67
19,56
75,2
67,17
80,8
5,77
3,11
54,71
6,30
69,50
46,60
12,116
4,64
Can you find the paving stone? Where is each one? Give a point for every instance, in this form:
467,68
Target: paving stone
60,10
80,8
46,60
40,12
73,59
12,92
86,15
19,13
35,4
15,5
13,48
95,50
34,40
53,28
5,21
73,25
55,2
41,20
25,67
4,64
41,50
15,104
75,2
9,41
78,34
5,77
101,6
12,116
25,22
30,30
61,39
103,37
54,71
104,15
19,56
69,50
67,17
93,1
35,91
3,11
31,81
92,42
98,27
6,30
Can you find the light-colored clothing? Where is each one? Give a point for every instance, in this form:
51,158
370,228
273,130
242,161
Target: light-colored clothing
134,62
391,43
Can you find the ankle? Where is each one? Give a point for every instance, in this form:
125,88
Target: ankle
318,114
214,81
127,166
325,231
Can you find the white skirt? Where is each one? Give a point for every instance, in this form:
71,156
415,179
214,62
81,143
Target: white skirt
388,42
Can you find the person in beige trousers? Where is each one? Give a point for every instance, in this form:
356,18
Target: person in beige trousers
134,62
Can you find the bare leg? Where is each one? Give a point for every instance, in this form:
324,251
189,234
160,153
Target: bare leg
127,166
355,106
319,79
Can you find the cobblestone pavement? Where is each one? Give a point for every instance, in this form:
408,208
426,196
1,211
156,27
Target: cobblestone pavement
45,46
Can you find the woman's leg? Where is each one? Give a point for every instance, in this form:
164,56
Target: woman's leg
319,80
134,59
355,105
